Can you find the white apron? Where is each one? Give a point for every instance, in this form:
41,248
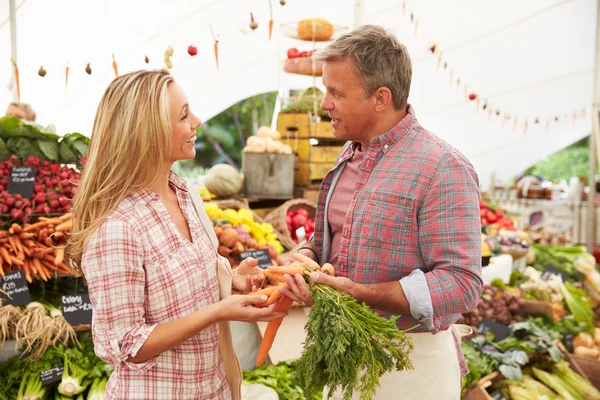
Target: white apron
435,376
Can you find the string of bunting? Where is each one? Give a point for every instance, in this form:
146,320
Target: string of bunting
493,111
191,50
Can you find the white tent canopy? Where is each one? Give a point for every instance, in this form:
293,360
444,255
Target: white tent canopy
528,59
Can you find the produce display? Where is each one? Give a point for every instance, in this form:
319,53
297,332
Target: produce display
545,237
309,101
283,378
504,306
366,345
24,139
302,62
299,218
515,243
493,217
266,140
37,249
223,180
84,376
237,232
585,345
317,29
54,187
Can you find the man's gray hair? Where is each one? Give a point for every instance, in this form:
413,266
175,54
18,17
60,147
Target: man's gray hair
31,115
379,59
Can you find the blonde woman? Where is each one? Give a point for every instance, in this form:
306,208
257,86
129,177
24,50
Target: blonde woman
150,266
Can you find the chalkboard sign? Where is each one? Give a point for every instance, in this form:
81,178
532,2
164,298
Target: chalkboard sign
15,289
263,257
51,376
569,342
21,181
77,309
498,396
500,331
552,270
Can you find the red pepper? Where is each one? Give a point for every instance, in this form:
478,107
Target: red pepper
491,217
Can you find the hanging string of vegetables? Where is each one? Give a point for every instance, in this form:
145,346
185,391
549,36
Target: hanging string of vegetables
270,19
215,45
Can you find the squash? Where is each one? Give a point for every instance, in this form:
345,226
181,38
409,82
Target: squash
323,29
256,144
223,180
266,132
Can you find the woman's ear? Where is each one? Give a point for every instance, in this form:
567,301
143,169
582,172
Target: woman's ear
383,99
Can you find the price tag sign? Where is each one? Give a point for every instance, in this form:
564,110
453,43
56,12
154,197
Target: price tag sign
263,257
500,331
51,376
552,270
77,309
14,289
569,342
498,396
21,181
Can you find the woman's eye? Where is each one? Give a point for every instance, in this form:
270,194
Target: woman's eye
184,117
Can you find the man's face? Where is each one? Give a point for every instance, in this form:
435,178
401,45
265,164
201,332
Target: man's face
17,112
352,114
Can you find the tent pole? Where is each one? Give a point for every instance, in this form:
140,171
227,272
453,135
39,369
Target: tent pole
359,12
13,38
594,144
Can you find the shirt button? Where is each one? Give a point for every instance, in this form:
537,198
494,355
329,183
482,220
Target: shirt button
386,147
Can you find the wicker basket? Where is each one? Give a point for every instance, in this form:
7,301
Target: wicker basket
277,219
237,205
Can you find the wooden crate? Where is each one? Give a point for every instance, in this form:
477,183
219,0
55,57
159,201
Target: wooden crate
302,125
325,151
311,172
268,176
590,367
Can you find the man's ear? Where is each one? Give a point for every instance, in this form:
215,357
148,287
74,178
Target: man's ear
383,99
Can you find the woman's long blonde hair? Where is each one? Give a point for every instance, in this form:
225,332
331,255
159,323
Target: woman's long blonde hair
130,141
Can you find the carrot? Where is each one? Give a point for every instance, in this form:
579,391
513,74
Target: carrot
27,235
17,82
216,48
16,261
59,255
114,65
66,77
272,298
66,216
27,272
4,254
49,258
270,27
307,260
274,276
27,251
272,328
328,269
288,269
18,244
266,291
15,228
13,246
36,226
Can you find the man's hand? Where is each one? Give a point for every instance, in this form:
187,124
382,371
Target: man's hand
248,276
299,292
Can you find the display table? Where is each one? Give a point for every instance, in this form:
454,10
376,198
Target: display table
500,267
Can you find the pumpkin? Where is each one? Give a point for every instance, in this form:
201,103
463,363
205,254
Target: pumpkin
323,30
223,180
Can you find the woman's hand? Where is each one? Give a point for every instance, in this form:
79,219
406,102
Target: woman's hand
248,276
242,308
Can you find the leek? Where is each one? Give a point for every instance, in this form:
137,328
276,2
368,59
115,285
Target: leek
576,382
97,389
555,383
31,388
73,380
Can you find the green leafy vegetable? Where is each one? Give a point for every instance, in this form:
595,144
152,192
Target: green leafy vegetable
283,378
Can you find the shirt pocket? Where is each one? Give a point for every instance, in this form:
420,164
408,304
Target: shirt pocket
389,220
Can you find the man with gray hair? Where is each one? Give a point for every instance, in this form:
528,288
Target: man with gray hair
22,111
398,215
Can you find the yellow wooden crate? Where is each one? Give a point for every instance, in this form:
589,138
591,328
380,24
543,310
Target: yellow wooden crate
307,173
313,153
300,125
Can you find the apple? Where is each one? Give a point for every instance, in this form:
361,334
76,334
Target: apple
192,50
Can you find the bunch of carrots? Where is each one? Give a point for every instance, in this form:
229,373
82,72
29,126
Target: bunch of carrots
303,266
37,249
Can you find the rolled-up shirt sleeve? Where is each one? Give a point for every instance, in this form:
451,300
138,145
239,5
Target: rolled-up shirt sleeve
450,242
112,264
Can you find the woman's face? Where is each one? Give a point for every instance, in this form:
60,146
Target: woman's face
183,125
